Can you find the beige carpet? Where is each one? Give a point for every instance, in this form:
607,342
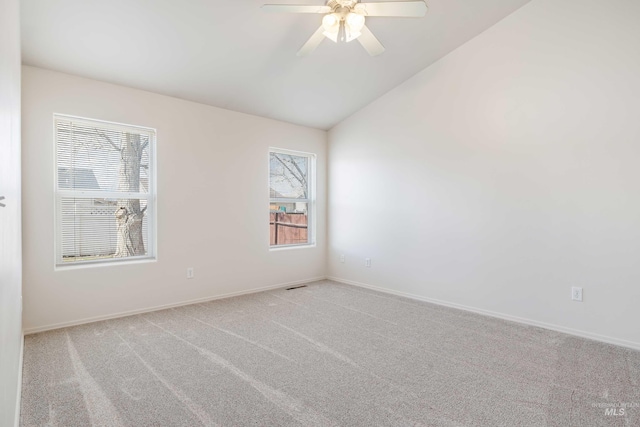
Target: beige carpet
324,355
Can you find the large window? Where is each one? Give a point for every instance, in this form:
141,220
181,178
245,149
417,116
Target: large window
105,191
291,199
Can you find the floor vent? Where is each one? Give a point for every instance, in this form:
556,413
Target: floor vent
297,287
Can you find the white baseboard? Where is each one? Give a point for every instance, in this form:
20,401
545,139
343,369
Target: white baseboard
19,391
583,334
37,329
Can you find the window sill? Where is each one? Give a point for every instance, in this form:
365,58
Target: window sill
290,247
104,263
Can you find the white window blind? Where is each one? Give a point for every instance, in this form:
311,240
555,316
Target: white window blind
291,175
105,191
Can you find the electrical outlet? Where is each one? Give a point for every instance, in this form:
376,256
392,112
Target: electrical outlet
576,293
367,262
190,273
342,258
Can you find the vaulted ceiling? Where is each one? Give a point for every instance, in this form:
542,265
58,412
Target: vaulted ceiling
231,54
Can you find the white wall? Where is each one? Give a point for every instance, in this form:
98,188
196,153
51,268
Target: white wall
212,203
10,250
505,173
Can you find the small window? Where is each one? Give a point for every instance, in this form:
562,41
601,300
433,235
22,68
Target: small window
291,198
105,191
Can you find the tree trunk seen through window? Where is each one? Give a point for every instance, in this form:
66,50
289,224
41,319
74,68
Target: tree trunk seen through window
129,215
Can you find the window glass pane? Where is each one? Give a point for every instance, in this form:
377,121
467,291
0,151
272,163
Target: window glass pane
104,190
288,223
97,158
288,175
92,229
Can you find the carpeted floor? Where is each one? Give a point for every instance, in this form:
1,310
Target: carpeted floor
324,355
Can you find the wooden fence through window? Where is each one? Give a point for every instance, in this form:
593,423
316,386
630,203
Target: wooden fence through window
288,228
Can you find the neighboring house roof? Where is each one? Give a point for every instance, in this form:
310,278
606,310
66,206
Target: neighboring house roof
77,179
274,194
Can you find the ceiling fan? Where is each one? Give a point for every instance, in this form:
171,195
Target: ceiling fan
344,20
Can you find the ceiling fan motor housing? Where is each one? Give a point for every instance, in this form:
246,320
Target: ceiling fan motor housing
344,3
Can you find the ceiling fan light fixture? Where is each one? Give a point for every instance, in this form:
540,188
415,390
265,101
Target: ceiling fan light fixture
333,36
350,35
331,25
353,24
330,21
355,21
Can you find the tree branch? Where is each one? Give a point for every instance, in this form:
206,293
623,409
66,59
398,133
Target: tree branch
115,147
286,176
301,178
304,178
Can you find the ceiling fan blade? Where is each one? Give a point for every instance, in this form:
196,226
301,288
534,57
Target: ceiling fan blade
313,42
369,42
397,8
292,8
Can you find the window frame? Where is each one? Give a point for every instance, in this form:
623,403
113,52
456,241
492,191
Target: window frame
150,197
310,200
